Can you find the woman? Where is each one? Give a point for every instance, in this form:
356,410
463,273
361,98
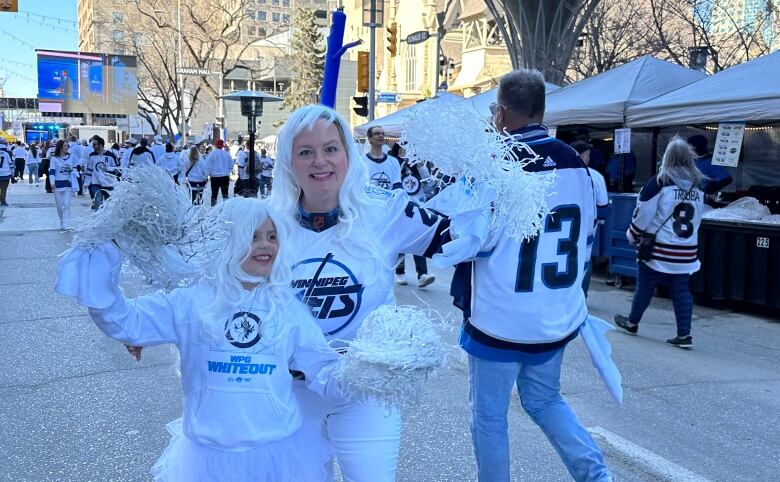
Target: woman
62,169
195,172
170,162
346,240
33,164
670,208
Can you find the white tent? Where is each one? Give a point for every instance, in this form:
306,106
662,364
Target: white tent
393,123
604,98
746,92
482,101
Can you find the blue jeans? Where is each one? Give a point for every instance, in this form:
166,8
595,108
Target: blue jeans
490,386
647,281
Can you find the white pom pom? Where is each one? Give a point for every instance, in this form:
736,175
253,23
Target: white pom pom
154,223
461,144
396,349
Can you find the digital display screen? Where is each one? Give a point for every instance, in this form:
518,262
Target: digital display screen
87,83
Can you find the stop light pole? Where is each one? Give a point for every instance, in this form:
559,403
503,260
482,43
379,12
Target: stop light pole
372,18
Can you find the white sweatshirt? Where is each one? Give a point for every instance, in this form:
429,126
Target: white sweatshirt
170,161
237,388
219,163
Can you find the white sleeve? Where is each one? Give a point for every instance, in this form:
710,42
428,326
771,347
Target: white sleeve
313,356
408,227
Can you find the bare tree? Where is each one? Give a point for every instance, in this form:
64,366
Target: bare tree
541,34
727,34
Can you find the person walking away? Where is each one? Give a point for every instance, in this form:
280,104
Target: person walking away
602,201
7,171
170,161
20,155
527,302
195,172
383,171
141,155
63,171
665,226
716,177
157,148
33,164
266,173
241,160
102,171
412,183
219,166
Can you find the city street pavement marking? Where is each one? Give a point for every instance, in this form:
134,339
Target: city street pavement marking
662,468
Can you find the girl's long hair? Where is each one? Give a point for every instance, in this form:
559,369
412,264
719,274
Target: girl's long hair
194,155
58,148
243,216
355,207
34,151
678,165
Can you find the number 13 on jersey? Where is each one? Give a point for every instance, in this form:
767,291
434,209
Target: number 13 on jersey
554,275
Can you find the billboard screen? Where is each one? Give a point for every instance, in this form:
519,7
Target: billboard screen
86,83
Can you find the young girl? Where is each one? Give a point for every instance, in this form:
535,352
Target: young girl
62,169
239,332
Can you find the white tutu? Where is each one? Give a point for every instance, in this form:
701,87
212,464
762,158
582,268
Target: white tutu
300,457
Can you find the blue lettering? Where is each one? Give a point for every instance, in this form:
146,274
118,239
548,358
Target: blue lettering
240,359
243,369
254,369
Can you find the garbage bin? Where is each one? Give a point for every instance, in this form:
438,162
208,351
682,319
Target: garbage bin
739,262
621,254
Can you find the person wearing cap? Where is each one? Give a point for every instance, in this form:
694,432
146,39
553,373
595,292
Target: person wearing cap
130,145
716,177
157,148
7,167
602,200
219,165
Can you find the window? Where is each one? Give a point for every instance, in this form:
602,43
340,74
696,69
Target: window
285,18
118,36
261,32
261,2
118,17
275,2
411,68
275,17
261,15
251,14
285,3
138,38
252,31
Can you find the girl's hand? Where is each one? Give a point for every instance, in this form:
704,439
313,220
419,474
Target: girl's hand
134,351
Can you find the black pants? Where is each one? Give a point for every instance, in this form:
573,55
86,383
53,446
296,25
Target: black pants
19,168
222,183
420,265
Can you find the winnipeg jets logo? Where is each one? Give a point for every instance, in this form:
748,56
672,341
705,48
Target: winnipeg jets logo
331,291
243,329
411,184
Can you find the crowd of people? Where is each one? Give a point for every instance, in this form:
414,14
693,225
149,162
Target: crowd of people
336,225
66,167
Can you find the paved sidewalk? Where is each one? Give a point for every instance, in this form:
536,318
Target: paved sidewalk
31,208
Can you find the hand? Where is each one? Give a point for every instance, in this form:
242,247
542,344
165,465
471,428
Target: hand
134,351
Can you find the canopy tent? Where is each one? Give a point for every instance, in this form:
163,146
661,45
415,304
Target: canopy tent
745,92
393,123
482,101
604,98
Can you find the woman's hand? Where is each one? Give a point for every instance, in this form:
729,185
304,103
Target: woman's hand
134,351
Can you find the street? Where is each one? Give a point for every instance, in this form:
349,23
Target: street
76,407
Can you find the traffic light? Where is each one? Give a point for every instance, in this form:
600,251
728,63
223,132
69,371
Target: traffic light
392,39
362,72
362,105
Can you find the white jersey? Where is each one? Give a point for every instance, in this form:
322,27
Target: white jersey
385,172
101,169
7,165
19,152
63,171
171,162
530,292
266,166
219,163
237,388
334,277
242,157
197,172
158,150
673,213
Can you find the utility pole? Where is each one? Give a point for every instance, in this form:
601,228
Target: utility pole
440,31
179,76
372,18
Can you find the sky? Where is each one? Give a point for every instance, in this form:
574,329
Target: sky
51,24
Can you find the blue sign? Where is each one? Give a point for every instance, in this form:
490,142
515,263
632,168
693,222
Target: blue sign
387,97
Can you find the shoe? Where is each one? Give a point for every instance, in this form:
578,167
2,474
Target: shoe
400,279
622,322
4,204
681,341
425,279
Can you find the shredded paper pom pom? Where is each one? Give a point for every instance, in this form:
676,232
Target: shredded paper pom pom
156,227
460,143
396,349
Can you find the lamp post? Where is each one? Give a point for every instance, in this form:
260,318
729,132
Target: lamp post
252,108
179,76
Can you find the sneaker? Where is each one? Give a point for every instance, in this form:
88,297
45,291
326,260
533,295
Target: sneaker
4,204
400,279
681,341
622,322
425,279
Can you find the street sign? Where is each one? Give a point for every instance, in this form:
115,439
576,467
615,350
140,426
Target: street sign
388,97
417,37
194,71
9,5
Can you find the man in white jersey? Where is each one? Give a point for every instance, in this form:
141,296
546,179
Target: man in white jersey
157,148
527,302
383,170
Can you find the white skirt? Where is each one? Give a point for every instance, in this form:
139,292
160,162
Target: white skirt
301,457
